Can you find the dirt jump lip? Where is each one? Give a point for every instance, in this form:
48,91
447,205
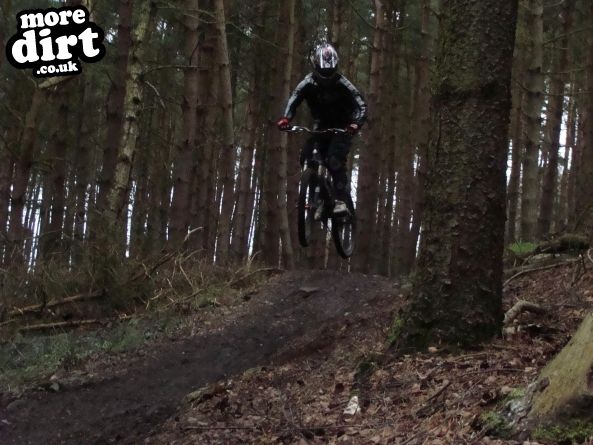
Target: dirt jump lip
292,309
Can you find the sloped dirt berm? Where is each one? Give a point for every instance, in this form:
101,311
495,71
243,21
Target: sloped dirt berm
296,314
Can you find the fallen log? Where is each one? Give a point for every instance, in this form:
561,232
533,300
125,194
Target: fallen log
568,242
71,324
16,312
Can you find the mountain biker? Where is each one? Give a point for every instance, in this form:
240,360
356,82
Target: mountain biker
334,103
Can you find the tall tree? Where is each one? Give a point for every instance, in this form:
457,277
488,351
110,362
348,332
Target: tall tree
584,177
115,103
554,123
118,193
21,176
532,119
182,178
458,285
368,183
227,160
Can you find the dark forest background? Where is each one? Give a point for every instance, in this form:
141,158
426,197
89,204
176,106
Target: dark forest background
169,144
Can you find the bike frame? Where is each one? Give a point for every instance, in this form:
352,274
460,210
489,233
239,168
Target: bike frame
322,194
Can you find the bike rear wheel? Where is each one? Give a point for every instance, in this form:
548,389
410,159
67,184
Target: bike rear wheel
306,207
344,231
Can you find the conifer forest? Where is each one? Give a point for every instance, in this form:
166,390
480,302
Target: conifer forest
144,178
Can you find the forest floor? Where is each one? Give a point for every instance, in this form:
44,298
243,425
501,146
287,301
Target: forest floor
284,366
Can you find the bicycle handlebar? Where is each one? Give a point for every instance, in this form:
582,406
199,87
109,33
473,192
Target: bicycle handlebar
297,129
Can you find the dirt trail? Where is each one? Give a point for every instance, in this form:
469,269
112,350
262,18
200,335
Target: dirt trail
280,321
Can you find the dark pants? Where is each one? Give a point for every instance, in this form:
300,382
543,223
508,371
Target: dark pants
334,149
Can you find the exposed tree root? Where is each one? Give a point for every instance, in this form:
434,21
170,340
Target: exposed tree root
520,307
537,269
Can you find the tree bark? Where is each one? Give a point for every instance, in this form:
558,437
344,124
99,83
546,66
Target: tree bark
422,124
57,175
532,120
132,105
180,215
562,393
21,177
561,214
464,226
554,125
369,155
6,170
516,135
115,104
227,161
584,180
207,113
288,25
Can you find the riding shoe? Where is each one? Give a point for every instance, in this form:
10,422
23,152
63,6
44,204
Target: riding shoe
341,209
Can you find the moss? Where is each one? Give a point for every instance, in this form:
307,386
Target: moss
521,249
495,423
395,331
573,431
515,394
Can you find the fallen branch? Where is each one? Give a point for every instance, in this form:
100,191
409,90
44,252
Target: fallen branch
520,307
537,269
423,410
71,324
147,273
16,312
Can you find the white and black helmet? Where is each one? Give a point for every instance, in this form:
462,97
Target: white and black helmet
325,60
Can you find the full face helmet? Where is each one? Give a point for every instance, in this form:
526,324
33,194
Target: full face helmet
325,61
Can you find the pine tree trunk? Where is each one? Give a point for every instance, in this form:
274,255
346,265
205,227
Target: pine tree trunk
554,125
516,157
584,179
369,155
6,169
207,112
241,225
275,222
463,234
21,178
288,25
57,191
561,214
83,166
115,105
183,167
575,171
532,121
227,161
118,194
160,187
422,123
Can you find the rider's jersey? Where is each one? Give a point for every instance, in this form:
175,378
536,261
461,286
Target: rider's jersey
336,104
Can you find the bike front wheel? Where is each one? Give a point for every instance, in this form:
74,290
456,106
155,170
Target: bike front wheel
307,207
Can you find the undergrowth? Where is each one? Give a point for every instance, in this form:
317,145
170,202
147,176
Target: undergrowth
151,295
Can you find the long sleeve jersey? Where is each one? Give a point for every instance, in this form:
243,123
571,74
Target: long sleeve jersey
335,105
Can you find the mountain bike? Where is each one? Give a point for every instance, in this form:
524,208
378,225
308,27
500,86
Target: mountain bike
317,199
